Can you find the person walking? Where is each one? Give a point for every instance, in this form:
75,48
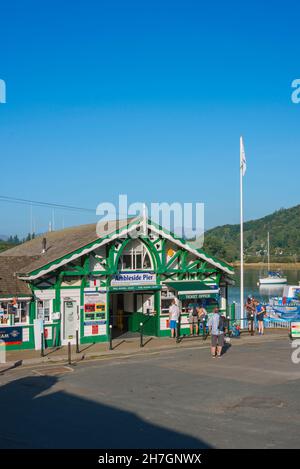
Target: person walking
216,327
174,314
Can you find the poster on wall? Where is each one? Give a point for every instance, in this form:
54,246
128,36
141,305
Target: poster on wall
11,335
94,312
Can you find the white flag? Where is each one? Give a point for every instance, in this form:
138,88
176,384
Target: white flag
243,165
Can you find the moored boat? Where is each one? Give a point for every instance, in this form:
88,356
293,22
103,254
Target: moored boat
272,278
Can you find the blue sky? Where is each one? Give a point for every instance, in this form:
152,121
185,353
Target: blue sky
148,98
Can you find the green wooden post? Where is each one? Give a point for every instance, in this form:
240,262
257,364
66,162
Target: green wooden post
232,312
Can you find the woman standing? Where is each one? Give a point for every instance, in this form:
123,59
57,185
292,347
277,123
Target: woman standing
202,317
193,319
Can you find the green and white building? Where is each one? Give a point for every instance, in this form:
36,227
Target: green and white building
79,280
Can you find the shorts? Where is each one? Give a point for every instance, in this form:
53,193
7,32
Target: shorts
193,319
217,340
173,324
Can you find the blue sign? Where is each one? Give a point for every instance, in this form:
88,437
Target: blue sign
11,335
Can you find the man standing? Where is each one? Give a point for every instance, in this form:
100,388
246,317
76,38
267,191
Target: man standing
174,317
216,327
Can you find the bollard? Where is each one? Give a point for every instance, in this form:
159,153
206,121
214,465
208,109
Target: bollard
232,312
110,337
252,323
177,331
42,344
2,352
77,342
69,353
228,326
203,329
141,335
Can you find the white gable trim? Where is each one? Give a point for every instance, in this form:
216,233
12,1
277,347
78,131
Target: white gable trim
189,248
123,233
82,253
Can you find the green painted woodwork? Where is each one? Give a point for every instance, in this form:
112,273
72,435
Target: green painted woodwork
191,285
199,275
149,323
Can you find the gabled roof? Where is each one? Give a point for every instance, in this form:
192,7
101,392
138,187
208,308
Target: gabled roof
224,266
69,244
60,244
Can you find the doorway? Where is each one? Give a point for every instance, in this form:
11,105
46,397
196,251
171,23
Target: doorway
128,310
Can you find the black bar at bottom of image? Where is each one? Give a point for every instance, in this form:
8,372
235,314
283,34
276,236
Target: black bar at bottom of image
132,458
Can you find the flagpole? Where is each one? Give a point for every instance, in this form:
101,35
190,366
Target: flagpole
241,237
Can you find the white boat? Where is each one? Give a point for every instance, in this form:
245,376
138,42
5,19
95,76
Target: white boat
273,278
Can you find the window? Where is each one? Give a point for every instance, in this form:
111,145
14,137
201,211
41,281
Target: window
20,310
21,314
135,257
44,310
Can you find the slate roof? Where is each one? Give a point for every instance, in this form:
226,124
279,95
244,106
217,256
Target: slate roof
10,285
59,244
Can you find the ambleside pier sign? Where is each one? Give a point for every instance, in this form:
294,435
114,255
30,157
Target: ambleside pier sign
134,278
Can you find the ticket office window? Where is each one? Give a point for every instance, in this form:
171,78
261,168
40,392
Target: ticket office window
44,310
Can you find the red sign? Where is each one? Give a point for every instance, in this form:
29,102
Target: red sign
95,329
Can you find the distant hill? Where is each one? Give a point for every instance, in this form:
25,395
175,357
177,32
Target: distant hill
283,225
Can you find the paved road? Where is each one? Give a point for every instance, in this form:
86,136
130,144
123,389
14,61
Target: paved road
180,398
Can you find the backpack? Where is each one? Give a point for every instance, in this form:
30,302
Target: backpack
221,325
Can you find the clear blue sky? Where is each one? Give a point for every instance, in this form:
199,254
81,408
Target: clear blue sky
148,98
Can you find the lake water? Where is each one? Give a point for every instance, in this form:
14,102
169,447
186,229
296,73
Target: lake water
251,276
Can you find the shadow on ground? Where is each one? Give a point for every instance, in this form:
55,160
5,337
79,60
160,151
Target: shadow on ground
34,416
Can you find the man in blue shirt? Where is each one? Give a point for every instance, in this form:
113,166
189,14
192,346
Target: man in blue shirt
216,328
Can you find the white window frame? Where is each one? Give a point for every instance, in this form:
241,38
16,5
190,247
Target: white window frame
134,251
18,314
19,309
42,300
